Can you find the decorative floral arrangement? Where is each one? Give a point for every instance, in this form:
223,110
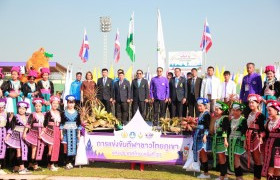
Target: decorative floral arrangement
189,123
170,125
93,115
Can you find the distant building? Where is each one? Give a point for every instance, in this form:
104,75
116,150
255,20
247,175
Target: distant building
57,76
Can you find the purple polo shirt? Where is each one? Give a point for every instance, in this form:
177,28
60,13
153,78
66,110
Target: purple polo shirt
159,88
251,84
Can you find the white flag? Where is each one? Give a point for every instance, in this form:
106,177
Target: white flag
160,44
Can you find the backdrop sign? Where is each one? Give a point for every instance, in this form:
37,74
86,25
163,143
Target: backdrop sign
186,60
137,142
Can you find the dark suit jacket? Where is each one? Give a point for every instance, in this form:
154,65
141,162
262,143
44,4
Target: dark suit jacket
177,94
105,92
197,87
122,93
140,93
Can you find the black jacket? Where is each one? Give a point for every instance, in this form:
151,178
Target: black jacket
197,87
40,86
7,86
105,92
27,89
140,93
179,92
122,92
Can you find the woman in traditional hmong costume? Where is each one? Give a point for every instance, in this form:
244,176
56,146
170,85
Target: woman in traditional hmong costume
219,141
34,125
255,133
30,90
3,133
201,140
238,128
70,131
12,89
45,88
51,133
271,166
1,82
271,88
14,136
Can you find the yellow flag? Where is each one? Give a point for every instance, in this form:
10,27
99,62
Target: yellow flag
222,79
94,77
245,71
128,74
111,72
263,75
217,72
236,78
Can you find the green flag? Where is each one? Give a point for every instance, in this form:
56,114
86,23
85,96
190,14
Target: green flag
130,47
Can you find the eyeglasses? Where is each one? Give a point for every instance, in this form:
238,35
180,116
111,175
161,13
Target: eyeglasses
139,73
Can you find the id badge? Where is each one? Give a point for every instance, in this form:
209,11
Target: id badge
247,88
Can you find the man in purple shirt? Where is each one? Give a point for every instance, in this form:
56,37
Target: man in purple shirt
159,93
251,84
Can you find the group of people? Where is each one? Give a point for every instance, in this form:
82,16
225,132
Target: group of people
228,124
30,120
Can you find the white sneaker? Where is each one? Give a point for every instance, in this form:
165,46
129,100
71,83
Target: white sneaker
24,171
203,176
2,172
53,168
68,166
71,166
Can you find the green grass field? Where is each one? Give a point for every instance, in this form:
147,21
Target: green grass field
122,170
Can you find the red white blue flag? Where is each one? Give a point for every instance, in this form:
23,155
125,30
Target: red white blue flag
117,51
84,49
206,41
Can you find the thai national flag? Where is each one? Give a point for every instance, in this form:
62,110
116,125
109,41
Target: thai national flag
206,41
117,50
84,49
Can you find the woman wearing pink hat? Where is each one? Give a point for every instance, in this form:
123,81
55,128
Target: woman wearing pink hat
12,89
30,90
14,137
255,133
32,133
51,134
45,88
271,166
271,88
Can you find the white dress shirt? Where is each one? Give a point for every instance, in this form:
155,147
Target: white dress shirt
227,88
210,85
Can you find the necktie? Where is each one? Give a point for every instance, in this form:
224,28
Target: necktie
139,81
104,81
192,91
176,82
